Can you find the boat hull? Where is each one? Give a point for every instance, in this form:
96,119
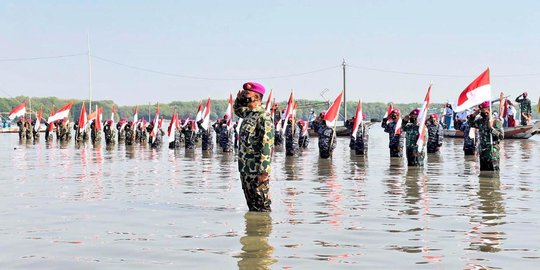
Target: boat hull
520,132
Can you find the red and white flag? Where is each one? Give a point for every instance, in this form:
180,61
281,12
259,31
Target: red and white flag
305,129
38,120
273,110
51,125
389,111
333,112
60,114
172,127
186,120
358,118
154,131
397,129
199,115
475,93
112,115
268,104
422,116
136,114
99,115
82,118
229,113
206,116
288,112
18,111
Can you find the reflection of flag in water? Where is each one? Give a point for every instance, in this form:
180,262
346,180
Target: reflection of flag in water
18,111
422,121
475,93
358,118
38,120
332,113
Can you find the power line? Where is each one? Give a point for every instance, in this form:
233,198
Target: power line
210,78
40,57
440,75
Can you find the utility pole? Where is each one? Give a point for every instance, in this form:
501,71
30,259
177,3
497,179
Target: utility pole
89,75
344,94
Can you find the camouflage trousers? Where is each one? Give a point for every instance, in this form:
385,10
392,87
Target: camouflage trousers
396,151
469,151
415,158
257,194
489,161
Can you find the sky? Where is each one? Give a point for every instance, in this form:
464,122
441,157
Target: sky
163,51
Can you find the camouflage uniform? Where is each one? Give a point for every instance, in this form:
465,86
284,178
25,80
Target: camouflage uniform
29,130
226,138
48,135
217,130
35,133
362,139
414,157
207,143
189,137
327,140
121,133
278,138
525,107
109,134
489,153
254,155
22,129
128,133
395,140
291,140
95,134
469,144
435,137
303,141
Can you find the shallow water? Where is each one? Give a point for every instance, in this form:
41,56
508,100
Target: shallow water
64,207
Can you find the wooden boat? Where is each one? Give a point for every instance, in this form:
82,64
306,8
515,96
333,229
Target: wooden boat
519,132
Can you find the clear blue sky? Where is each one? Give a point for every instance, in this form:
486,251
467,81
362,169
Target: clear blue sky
253,39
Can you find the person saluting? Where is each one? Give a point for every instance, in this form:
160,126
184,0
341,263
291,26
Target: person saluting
255,146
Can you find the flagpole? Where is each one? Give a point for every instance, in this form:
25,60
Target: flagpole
344,94
89,74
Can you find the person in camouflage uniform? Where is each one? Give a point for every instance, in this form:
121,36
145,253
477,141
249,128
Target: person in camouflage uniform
95,133
35,134
362,139
22,128
469,143
120,126
226,136
303,140
48,135
109,132
395,141
415,156
435,134
490,134
129,135
206,137
278,136
29,129
291,138
327,137
349,126
525,108
217,129
189,135
255,146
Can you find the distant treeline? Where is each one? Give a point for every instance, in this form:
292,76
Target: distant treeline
373,110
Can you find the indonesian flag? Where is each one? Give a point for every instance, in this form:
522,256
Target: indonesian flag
160,124
305,129
229,113
136,114
268,107
186,121
238,125
389,111
288,111
475,93
199,115
98,118
82,118
18,111
273,110
38,120
154,131
332,113
51,125
397,130
358,118
206,116
112,115
422,120
172,127
294,109
61,114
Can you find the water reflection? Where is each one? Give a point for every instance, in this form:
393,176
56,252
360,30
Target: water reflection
486,233
256,250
